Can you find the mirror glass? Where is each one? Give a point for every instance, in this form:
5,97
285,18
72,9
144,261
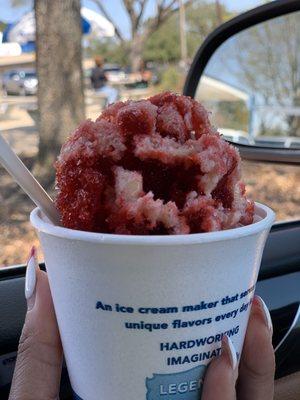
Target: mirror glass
252,85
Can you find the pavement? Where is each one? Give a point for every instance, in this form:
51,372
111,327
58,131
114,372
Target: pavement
19,129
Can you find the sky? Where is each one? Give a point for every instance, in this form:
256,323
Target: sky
114,7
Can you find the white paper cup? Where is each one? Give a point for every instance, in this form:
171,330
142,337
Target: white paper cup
140,317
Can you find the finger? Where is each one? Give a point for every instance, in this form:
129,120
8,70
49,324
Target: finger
38,367
257,367
219,382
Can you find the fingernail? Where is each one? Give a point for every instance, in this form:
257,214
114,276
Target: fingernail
30,279
266,313
229,351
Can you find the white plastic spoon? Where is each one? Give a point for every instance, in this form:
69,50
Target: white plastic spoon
15,167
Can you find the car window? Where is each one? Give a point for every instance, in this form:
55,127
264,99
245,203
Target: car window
294,145
252,88
112,69
166,66
30,75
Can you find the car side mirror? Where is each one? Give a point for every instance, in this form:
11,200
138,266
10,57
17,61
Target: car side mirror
247,73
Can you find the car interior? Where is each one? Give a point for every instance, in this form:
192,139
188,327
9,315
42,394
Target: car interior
279,277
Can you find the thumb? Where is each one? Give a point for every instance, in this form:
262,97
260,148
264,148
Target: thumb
38,366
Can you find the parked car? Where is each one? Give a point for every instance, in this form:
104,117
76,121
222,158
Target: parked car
280,141
114,73
292,143
270,141
236,136
20,81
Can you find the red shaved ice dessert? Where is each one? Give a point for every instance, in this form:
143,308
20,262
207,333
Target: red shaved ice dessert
151,167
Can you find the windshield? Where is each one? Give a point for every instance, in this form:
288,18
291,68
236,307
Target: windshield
36,123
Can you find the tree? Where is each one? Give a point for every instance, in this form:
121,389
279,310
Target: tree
219,12
59,69
140,30
110,50
202,20
163,44
268,63
3,25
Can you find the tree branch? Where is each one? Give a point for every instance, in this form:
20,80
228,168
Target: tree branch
139,17
129,7
164,12
107,16
135,16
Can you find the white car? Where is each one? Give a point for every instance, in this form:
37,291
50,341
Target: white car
20,81
235,136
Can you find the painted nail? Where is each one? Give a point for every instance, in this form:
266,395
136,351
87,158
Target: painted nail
30,279
266,312
229,350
